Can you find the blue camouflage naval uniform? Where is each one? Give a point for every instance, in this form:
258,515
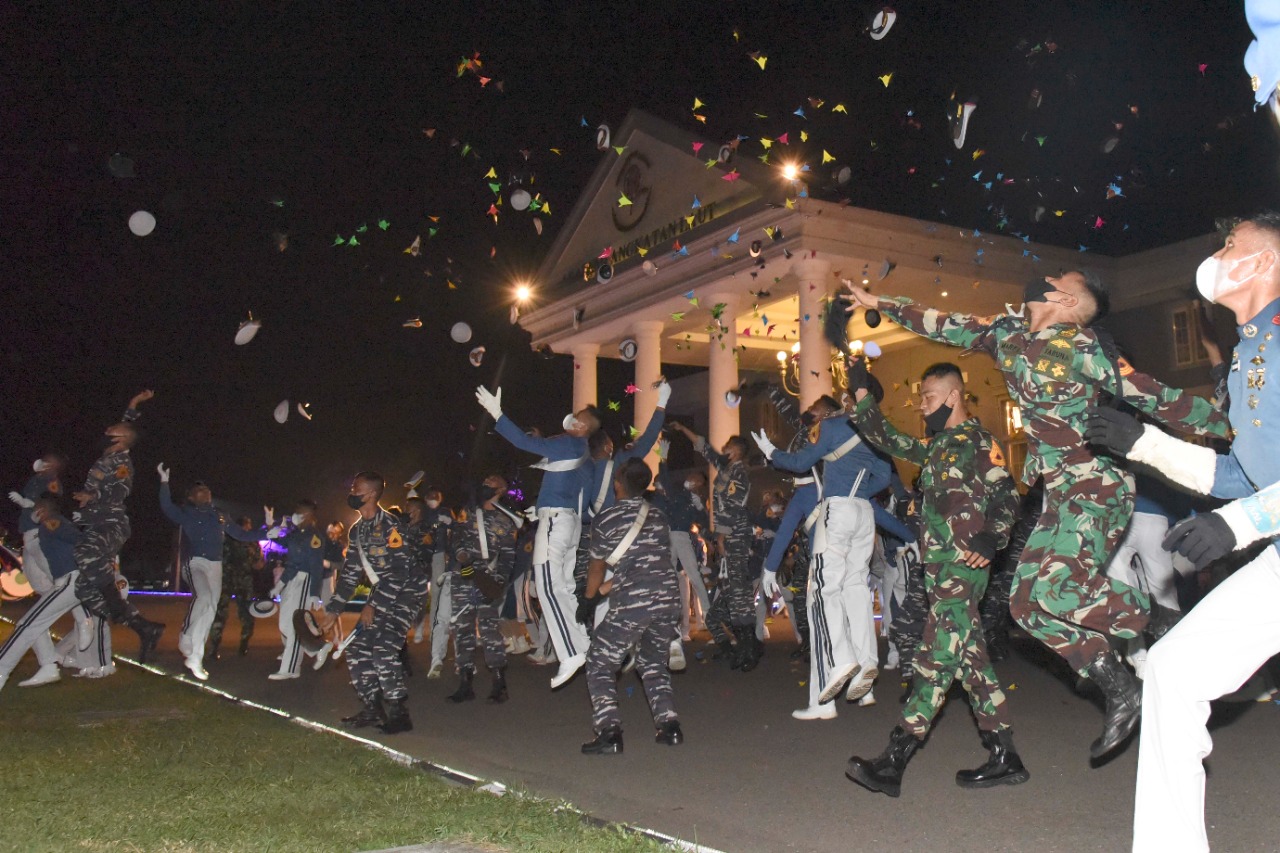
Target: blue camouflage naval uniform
105,525
472,613
644,613
396,597
734,602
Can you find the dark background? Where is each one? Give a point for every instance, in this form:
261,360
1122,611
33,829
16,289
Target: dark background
227,108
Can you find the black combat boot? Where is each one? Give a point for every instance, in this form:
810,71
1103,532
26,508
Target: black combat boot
749,649
498,694
607,742
370,715
1162,619
669,732
1124,702
1004,767
725,652
884,774
148,635
397,718
464,693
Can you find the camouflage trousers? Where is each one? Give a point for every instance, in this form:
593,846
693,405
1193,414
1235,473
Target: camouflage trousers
472,616
236,582
797,586
648,626
994,607
912,613
96,555
373,658
1060,593
953,647
734,604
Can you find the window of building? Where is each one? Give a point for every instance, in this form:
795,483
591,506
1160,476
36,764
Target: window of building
1187,349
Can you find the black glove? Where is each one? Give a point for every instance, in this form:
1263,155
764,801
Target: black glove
984,544
587,608
856,370
1201,539
1111,430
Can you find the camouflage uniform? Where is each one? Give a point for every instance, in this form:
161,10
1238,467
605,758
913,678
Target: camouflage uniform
965,490
994,608
644,612
396,597
471,613
1059,593
239,559
907,629
733,603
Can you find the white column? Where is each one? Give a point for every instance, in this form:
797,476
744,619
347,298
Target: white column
584,375
815,352
648,334
722,373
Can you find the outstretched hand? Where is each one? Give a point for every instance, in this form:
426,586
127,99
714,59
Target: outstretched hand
141,397
860,295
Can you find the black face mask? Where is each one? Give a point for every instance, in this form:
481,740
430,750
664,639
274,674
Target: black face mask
936,421
485,493
1036,290
808,419
355,501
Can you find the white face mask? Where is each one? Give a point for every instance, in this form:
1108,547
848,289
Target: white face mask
297,518
570,421
777,508
433,504
1213,279
690,485
39,466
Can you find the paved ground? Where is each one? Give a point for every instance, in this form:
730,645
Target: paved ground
751,778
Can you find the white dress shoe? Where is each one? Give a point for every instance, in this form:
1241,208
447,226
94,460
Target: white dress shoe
196,666
46,674
676,661
861,685
838,680
568,669
815,712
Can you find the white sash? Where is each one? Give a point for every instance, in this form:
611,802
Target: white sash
630,538
546,464
853,442
604,485
364,561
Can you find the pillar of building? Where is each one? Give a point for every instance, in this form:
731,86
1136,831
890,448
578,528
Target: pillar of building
584,375
722,372
648,335
815,353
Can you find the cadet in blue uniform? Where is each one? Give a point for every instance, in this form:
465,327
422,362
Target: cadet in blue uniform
482,556
378,554
105,528
1234,630
303,568
844,648
567,464
204,528
632,540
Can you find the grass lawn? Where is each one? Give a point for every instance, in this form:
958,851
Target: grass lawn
139,762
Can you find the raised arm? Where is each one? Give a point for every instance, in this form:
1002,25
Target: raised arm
960,330
877,430
786,406
644,443
172,511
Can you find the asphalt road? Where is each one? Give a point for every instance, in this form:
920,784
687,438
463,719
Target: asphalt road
749,777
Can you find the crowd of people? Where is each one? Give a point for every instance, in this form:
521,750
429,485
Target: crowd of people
613,566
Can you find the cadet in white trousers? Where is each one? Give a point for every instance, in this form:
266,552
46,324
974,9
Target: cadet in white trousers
299,585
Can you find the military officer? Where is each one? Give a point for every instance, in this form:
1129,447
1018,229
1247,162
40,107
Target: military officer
1055,367
631,539
239,561
841,619
299,585
969,504
379,555
1232,631
483,542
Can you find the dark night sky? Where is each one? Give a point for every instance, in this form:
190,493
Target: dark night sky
225,108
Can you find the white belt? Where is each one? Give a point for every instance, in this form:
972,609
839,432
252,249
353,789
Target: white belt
546,511
802,481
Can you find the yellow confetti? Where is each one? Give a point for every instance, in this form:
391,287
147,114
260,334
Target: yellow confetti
697,104
840,108
767,143
1058,212
491,173
791,204
555,151
761,60
804,136
624,201
978,153
826,156
619,149
885,78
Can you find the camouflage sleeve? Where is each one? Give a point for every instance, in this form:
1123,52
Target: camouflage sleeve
1172,407
709,453
506,544
958,330
876,429
348,577
785,405
739,489
1002,493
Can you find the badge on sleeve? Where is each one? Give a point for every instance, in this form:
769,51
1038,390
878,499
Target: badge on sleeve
996,455
122,472
52,524
395,540
315,542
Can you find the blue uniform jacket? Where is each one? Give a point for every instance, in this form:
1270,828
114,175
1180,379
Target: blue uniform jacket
561,489
306,550
58,538
638,450
839,475
35,488
204,526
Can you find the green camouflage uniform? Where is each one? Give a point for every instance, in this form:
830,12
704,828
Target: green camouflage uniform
239,559
1059,593
965,490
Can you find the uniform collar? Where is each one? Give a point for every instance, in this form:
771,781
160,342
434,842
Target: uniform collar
1265,319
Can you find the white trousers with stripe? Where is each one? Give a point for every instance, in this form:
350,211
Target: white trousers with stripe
206,587
296,595
555,551
842,622
37,621
36,568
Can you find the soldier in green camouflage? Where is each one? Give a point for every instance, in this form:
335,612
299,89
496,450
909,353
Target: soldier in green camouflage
969,504
1055,367
239,559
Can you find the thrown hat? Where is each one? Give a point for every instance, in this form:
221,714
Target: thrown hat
263,609
881,23
476,356
603,137
281,413
142,223
461,333
247,330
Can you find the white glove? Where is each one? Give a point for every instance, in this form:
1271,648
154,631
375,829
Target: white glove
491,402
275,532
664,394
276,590
531,513
270,516
664,447
767,446
25,503
769,585
163,472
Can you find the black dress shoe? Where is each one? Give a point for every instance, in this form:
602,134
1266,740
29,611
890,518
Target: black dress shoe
669,733
607,742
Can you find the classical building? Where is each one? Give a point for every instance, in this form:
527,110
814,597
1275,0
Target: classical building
674,257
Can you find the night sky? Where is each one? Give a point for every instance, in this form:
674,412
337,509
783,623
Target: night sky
247,122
